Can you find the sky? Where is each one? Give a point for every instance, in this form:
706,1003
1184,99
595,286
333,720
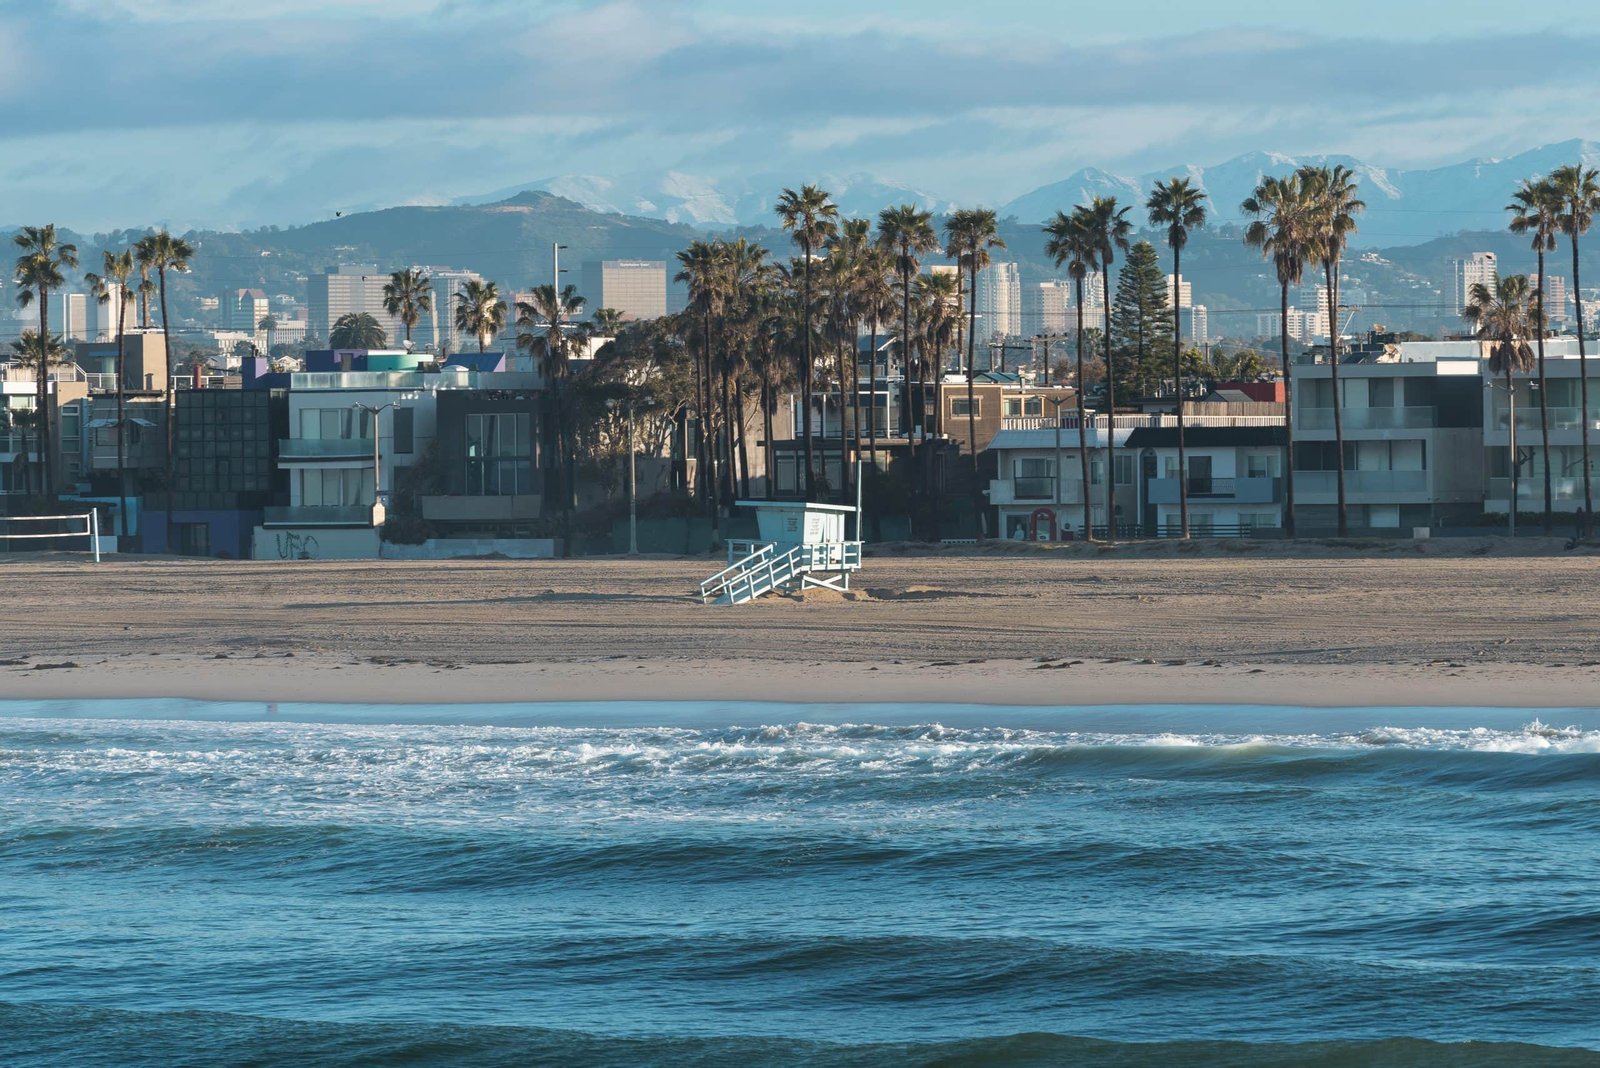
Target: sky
124,113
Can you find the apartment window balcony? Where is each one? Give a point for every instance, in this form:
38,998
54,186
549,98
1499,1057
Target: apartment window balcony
1528,419
1362,482
304,449
1530,490
1418,418
1034,491
1260,490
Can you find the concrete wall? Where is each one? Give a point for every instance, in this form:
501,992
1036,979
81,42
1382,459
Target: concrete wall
315,543
456,548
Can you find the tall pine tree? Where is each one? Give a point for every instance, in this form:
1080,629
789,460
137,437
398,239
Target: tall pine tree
1141,324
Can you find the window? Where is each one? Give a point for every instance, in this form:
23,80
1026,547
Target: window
960,406
1019,406
1261,465
1124,470
335,423
1033,478
327,488
499,454
404,430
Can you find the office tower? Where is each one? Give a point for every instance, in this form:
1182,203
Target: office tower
1055,297
1195,325
74,325
1185,292
346,289
636,288
101,319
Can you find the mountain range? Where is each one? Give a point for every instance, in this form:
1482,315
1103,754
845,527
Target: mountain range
1404,206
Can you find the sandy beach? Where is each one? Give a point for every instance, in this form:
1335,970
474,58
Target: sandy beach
1431,623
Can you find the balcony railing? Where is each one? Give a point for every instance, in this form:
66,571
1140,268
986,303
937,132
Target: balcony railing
325,449
1362,482
1417,418
1135,422
1035,491
1531,488
323,515
1260,490
1562,418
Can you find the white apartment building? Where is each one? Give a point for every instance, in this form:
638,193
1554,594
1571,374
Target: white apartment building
1183,292
1480,267
999,301
1055,299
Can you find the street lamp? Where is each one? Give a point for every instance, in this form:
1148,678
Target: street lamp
377,470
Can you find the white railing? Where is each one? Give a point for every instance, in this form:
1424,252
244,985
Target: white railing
90,529
1137,422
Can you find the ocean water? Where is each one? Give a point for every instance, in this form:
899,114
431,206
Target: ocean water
675,884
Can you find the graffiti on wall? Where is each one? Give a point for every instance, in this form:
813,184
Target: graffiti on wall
292,546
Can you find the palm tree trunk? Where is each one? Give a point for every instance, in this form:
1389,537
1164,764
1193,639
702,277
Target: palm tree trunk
1288,413
979,511
122,423
805,375
172,405
768,403
908,372
41,426
1083,421
744,449
1511,400
1544,405
1111,416
1177,383
853,366
1583,395
1329,270
872,403
844,449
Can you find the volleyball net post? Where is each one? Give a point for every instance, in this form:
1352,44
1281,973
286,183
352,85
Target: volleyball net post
90,528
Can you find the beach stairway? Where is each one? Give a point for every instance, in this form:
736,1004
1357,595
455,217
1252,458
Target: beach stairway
758,568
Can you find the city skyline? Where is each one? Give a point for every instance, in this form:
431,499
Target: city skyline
287,111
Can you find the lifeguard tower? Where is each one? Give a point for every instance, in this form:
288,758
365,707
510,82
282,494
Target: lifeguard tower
802,545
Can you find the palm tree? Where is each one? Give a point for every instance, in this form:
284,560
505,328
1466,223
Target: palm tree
1332,192
1535,209
875,301
1281,226
811,217
1070,244
38,271
1503,318
1180,207
40,357
969,235
1578,188
480,311
408,295
357,330
908,232
164,252
540,324
118,268
702,269
607,322
1109,230
849,255
268,326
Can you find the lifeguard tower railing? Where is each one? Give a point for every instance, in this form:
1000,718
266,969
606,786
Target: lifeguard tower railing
804,547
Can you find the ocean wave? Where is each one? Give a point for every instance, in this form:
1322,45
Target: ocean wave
50,1034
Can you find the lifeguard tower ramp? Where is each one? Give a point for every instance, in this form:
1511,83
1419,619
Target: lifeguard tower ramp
801,545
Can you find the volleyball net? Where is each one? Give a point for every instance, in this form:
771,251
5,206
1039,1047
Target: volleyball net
70,529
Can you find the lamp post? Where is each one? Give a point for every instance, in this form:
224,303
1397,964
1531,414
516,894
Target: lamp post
377,468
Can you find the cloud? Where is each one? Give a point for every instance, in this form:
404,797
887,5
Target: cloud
260,110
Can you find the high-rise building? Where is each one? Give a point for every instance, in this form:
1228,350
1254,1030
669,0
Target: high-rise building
243,309
102,318
436,330
1556,299
74,324
999,301
1195,324
1055,297
636,288
346,289
1480,268
1185,292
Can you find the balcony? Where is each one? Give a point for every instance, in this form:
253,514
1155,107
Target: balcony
1418,418
322,515
1261,490
1530,490
1561,418
483,509
312,449
1361,482
1034,491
